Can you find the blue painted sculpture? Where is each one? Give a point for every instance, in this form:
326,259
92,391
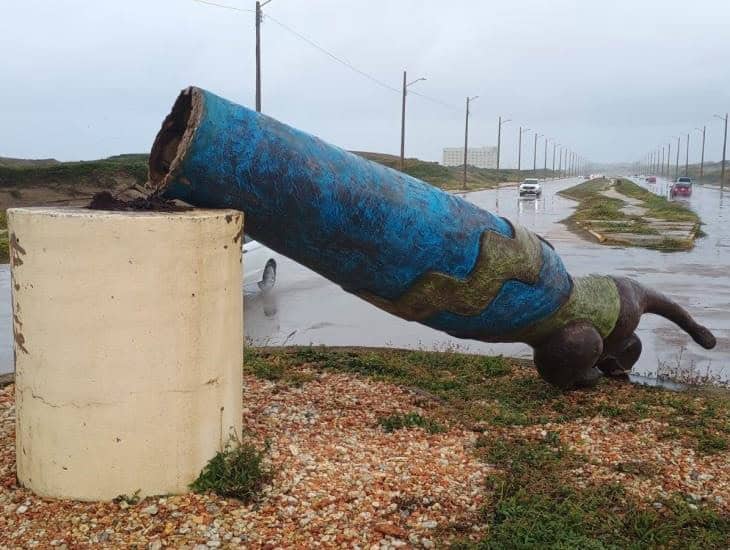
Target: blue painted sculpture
403,245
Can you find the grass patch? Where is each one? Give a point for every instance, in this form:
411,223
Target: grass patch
410,420
533,500
604,215
238,471
451,177
535,505
658,207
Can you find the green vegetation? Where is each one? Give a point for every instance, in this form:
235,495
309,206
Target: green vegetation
410,420
506,392
537,506
238,471
533,500
657,207
103,173
606,215
451,178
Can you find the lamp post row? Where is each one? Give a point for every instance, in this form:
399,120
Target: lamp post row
656,159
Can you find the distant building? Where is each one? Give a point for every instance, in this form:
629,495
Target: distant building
481,157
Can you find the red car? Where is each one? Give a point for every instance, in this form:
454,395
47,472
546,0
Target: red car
651,179
681,188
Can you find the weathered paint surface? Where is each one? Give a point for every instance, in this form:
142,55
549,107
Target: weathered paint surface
400,243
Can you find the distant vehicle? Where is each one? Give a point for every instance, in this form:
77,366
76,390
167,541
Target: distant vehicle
531,186
651,179
681,188
259,266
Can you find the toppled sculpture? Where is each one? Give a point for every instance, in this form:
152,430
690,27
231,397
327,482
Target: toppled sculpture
401,244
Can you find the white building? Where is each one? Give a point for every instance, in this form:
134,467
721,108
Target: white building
481,157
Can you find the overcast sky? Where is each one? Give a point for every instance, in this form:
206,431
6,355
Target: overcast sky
82,79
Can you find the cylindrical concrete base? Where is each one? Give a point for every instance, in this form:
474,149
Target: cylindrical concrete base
128,347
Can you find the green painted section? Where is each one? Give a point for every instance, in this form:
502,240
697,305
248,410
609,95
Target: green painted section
594,299
500,259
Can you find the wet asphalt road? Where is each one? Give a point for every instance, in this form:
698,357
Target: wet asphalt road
304,308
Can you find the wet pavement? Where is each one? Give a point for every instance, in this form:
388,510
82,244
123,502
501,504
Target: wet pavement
304,308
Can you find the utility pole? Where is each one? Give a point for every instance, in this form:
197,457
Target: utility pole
554,146
702,158
534,154
661,165
676,166
403,121
466,134
259,17
724,153
686,158
560,162
519,148
499,142
544,168
669,157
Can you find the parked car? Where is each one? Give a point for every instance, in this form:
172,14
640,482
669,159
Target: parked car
681,188
651,179
530,186
259,266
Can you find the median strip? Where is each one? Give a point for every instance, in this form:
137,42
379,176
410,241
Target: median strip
621,212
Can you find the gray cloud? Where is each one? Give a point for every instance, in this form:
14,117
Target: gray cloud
84,79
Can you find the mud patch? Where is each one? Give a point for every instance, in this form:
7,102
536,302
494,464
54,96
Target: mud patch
104,200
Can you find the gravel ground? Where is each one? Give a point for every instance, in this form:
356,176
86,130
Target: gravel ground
339,480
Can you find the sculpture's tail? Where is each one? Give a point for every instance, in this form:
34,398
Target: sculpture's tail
659,304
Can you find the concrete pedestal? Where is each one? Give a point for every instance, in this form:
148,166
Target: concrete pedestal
128,334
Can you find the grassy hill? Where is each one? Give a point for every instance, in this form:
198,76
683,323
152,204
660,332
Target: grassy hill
38,182
451,178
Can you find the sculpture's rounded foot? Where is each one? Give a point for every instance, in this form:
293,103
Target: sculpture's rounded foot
568,356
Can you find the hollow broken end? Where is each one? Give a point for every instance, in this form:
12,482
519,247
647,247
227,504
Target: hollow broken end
173,140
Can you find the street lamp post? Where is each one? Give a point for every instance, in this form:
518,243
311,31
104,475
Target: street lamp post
534,153
686,158
661,164
676,166
259,16
544,157
519,148
560,161
702,158
466,133
724,152
403,120
669,156
499,142
554,146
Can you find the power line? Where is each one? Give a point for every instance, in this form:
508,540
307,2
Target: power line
333,56
222,6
